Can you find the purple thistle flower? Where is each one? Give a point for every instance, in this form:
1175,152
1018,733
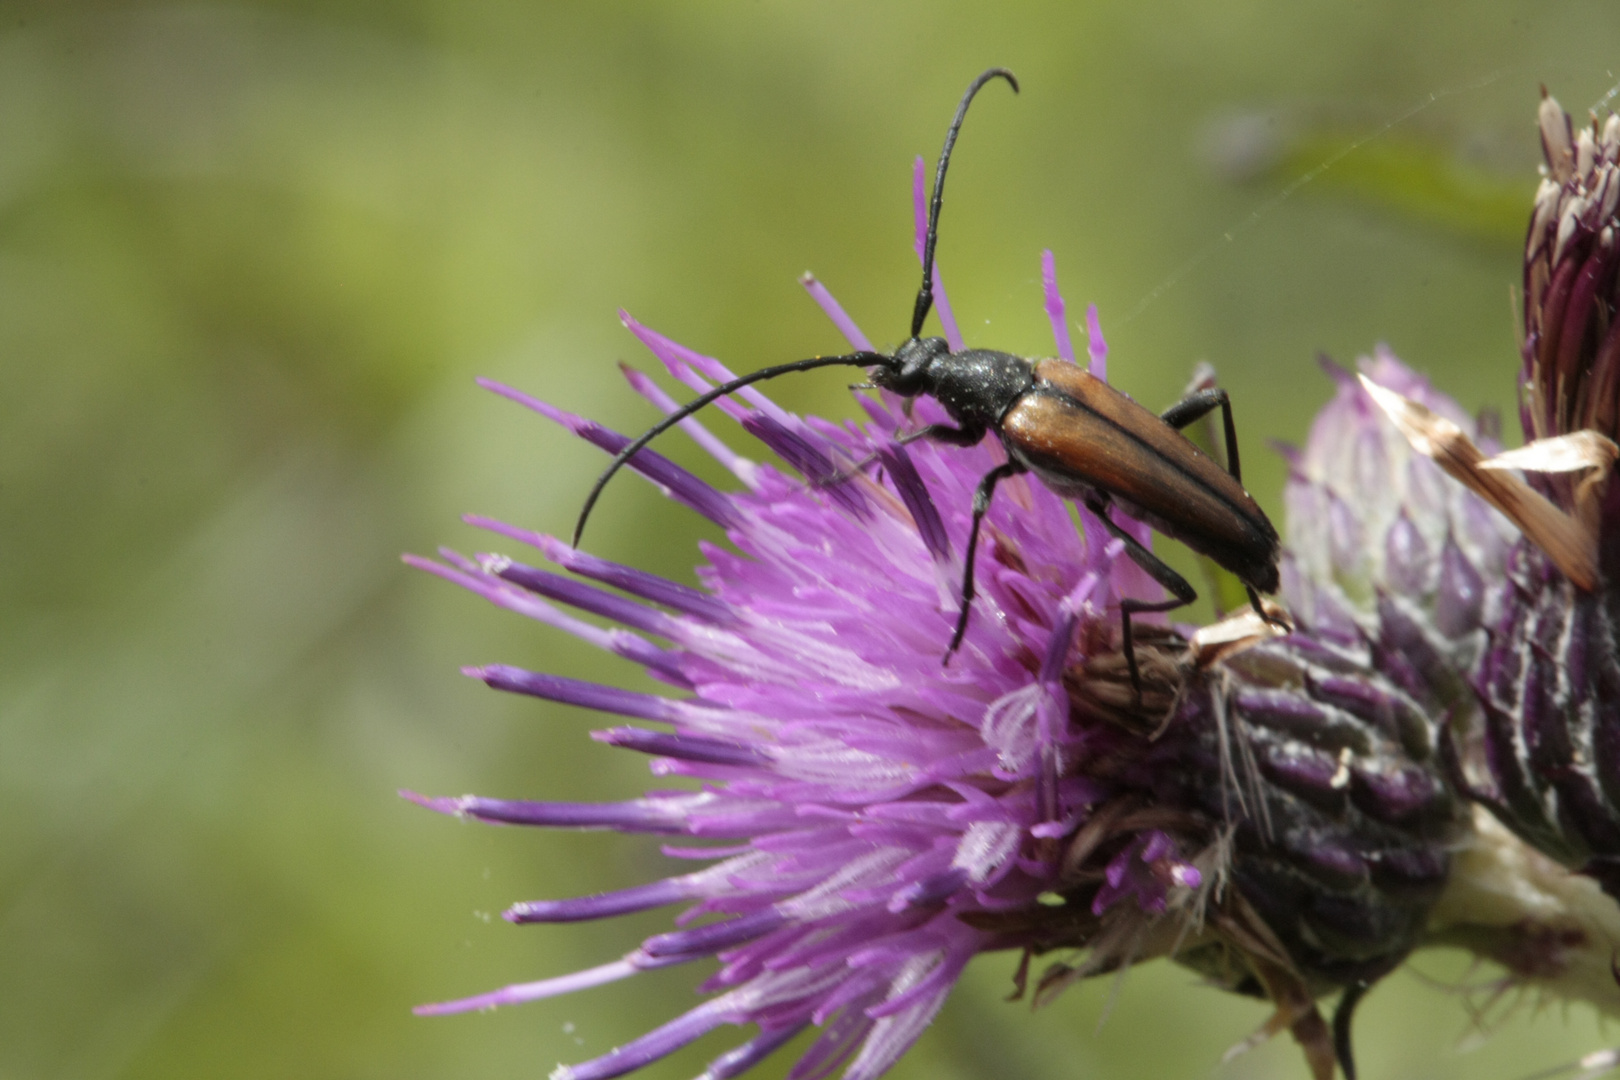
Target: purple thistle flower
1432,757
888,818
1270,811
1502,587
1539,743
1551,681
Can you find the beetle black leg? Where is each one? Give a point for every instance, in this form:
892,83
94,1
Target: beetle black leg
1341,1026
1196,407
1181,592
981,504
950,436
1254,602
934,432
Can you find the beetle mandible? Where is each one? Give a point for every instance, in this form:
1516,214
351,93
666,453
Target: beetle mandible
1079,436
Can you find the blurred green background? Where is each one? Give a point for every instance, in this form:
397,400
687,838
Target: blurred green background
252,256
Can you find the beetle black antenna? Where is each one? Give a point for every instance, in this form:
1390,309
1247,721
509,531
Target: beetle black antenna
859,359
925,295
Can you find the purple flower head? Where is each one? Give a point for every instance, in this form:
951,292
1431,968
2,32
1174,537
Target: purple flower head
1368,513
1538,739
1426,759
1570,380
1547,755
1483,583
880,818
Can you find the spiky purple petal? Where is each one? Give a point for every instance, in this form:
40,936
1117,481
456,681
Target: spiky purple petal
1055,307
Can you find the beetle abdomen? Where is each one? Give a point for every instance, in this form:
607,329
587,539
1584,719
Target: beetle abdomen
1078,434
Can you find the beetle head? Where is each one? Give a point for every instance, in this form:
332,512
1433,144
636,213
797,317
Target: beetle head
906,372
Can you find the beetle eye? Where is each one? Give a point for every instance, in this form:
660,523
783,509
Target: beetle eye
892,377
911,362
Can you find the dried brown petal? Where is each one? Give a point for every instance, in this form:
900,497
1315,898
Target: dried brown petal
1568,541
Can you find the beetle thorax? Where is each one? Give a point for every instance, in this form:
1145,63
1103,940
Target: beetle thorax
978,386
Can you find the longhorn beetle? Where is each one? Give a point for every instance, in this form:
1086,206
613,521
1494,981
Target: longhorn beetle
1079,436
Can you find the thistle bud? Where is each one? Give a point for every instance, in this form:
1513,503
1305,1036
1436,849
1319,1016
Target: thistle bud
1535,742
1571,341
1547,755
